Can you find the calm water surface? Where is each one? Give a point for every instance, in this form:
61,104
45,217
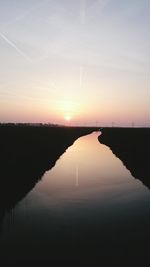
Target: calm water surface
87,200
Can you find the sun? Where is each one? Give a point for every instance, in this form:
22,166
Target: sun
67,110
67,117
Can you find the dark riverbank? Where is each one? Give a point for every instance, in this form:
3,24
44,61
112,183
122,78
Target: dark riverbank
132,147
26,153
102,221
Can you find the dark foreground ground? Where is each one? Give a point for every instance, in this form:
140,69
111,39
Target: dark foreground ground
116,237
26,152
132,147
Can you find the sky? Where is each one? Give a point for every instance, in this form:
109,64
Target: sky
75,61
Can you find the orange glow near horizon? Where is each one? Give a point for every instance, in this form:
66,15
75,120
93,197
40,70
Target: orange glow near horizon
67,109
72,65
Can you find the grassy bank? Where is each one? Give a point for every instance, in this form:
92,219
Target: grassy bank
132,146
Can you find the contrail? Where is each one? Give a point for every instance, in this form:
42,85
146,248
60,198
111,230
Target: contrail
81,75
20,52
86,8
83,12
103,3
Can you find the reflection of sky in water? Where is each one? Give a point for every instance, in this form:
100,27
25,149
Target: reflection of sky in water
87,207
89,187
88,172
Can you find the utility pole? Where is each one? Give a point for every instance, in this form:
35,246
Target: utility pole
132,124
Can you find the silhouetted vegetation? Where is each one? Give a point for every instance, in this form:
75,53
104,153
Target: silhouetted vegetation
132,146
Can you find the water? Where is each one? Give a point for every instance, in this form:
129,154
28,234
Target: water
87,205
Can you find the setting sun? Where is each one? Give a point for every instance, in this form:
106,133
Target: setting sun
67,109
67,117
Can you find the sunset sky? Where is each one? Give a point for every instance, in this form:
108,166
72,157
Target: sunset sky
77,60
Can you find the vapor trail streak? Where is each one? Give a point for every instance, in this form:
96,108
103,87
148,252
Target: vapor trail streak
81,76
99,4
83,11
20,52
85,8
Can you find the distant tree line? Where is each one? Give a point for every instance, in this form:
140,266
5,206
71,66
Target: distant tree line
30,124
